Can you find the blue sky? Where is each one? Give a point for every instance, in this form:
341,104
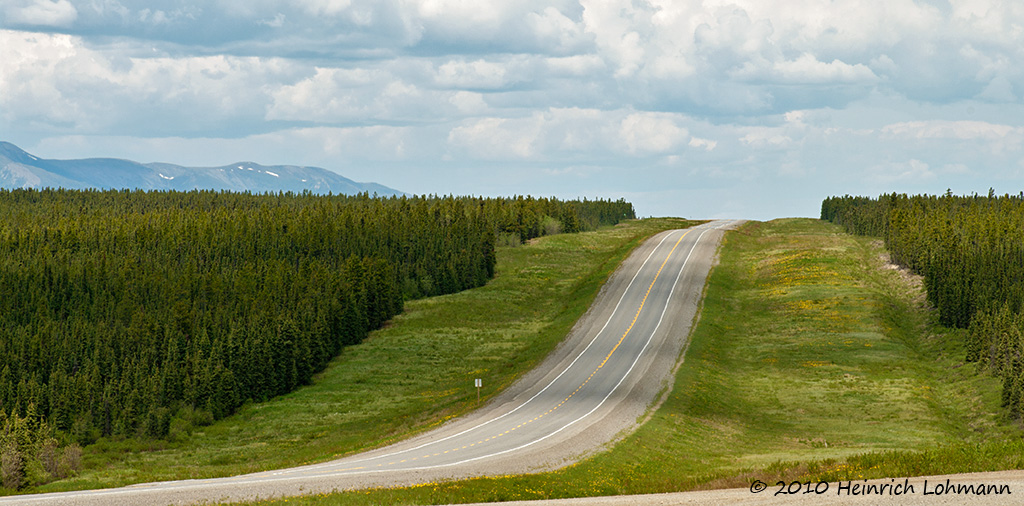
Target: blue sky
737,108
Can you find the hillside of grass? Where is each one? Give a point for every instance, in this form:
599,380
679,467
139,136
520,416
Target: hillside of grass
813,360
408,377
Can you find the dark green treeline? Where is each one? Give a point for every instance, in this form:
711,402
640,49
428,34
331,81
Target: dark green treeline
121,311
970,251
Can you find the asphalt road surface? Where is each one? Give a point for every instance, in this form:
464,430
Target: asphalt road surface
590,391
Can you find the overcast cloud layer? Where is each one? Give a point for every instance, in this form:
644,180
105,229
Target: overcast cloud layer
741,108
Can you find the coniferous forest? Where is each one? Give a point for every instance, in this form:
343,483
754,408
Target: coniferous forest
123,311
970,251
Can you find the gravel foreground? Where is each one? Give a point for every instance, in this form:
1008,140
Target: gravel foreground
998,488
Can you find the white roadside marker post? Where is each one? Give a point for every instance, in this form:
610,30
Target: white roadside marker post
479,383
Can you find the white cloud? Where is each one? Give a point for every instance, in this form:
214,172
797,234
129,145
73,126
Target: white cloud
515,27
899,172
359,14
26,61
468,102
707,144
477,74
944,129
325,7
59,13
276,22
338,96
572,133
999,89
762,137
162,18
329,95
990,19
965,136
649,133
806,69
905,91
954,168
465,13
497,138
614,28
374,142
575,66
554,28
102,7
55,79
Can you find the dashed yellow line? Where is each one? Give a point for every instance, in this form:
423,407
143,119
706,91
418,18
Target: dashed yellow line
605,361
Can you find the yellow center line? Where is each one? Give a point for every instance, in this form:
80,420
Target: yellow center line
616,347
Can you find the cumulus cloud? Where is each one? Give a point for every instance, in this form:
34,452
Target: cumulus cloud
478,74
574,66
276,22
339,95
55,79
746,57
533,26
901,90
572,132
806,69
761,137
330,93
970,136
943,129
378,142
56,13
490,138
893,172
648,133
325,7
707,144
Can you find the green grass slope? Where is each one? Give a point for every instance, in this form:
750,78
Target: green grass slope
812,360
410,376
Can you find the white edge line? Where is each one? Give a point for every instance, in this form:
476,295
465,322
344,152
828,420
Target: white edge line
595,408
606,397
592,341
159,487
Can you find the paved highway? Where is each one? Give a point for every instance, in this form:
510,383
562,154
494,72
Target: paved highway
596,385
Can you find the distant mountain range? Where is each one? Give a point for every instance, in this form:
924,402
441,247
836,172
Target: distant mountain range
19,169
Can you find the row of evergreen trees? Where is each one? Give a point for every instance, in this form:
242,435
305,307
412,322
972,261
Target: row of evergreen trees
970,251
122,312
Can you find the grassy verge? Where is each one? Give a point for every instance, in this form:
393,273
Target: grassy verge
811,361
408,377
